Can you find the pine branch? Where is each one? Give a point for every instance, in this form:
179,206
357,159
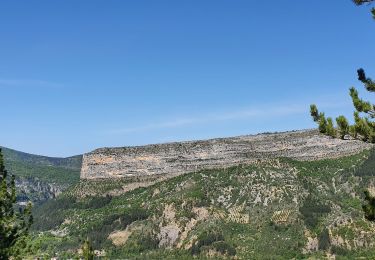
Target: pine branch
368,82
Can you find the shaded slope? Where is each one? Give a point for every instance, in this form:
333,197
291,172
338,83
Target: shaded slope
39,177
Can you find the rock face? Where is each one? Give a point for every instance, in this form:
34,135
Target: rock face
183,157
35,190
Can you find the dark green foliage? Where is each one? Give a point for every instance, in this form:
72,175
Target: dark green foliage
224,248
324,240
312,210
363,129
361,2
122,220
47,169
98,202
343,125
322,123
147,242
206,238
51,214
140,243
369,206
39,173
98,234
213,239
330,130
11,155
339,251
87,251
14,226
314,113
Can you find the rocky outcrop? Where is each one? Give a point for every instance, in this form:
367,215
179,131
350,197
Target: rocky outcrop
36,191
183,157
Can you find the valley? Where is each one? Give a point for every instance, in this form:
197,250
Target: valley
39,178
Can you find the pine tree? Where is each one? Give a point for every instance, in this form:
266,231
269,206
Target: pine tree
364,127
361,2
343,126
13,226
87,250
330,129
369,206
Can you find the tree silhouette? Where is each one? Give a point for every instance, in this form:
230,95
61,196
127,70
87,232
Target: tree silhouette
13,226
364,126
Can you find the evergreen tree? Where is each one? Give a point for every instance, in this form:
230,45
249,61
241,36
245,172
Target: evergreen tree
369,206
13,226
364,127
87,250
343,126
361,2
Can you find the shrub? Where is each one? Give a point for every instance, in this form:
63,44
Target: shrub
224,248
369,206
206,238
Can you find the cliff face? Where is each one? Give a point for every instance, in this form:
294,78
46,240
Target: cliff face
183,157
35,190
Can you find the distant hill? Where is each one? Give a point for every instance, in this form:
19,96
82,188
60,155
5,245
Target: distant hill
39,177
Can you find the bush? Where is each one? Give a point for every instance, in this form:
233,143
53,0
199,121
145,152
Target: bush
206,238
224,248
369,206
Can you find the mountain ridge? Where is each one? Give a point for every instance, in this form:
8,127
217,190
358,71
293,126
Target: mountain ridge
189,156
39,178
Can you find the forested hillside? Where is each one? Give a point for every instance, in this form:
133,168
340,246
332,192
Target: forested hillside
39,177
280,208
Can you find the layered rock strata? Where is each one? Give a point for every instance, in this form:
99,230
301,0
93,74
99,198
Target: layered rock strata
183,157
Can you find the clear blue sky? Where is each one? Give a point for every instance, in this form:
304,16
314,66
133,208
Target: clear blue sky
78,75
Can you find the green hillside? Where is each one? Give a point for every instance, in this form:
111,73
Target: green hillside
280,209
48,169
40,177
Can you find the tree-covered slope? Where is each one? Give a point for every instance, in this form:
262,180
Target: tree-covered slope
280,208
39,177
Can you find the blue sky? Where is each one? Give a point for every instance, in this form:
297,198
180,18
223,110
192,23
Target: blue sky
78,75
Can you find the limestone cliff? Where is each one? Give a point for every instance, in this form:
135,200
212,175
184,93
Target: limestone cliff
183,157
